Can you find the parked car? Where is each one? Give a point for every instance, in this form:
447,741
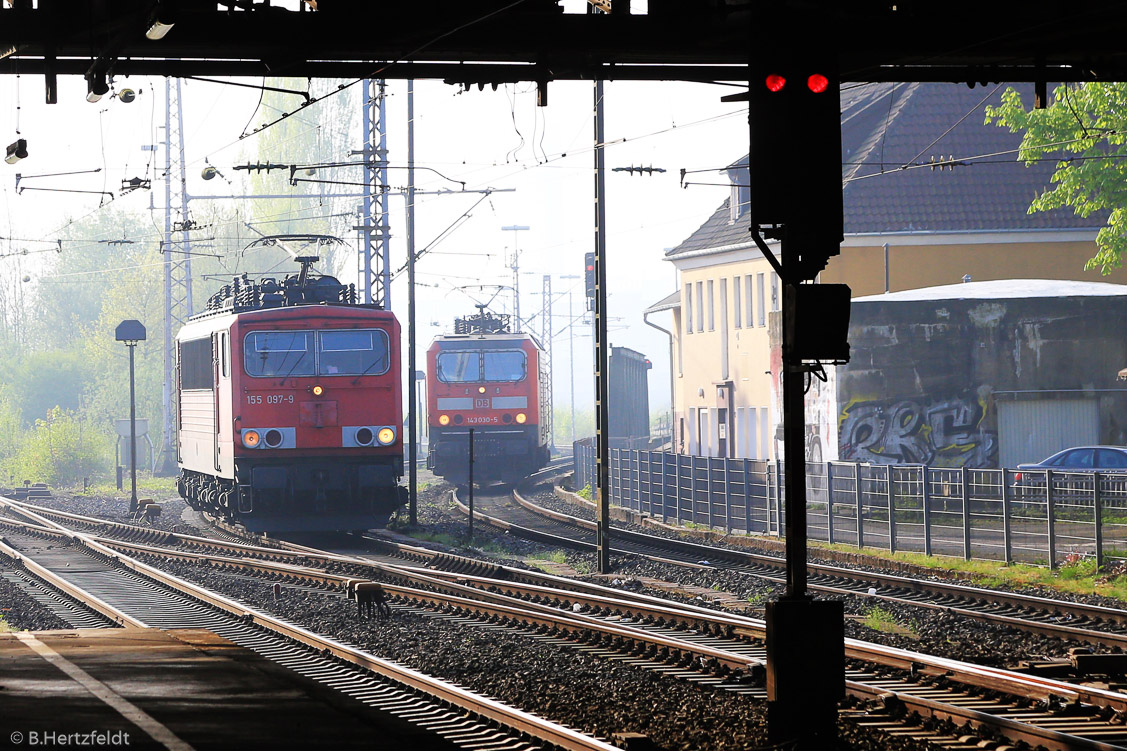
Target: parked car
1072,463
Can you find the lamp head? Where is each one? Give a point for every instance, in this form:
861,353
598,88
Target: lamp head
96,87
16,151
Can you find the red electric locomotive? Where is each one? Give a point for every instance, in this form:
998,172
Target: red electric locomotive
497,382
289,406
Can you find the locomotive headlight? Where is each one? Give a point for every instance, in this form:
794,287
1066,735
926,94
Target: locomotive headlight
481,389
522,418
386,436
251,439
444,419
318,390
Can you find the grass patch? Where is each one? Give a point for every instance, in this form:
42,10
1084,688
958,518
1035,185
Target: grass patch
1078,578
879,619
5,627
553,556
147,485
586,493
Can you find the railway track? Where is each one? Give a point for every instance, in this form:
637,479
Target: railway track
1079,622
135,594
690,642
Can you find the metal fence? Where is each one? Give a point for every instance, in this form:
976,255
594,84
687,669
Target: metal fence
1043,517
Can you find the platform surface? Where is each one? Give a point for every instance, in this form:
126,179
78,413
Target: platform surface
179,689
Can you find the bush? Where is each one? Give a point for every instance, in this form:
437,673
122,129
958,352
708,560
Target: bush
586,493
59,450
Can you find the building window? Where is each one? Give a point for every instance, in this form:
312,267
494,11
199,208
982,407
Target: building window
750,312
700,306
724,329
737,313
711,308
689,308
762,301
740,196
774,293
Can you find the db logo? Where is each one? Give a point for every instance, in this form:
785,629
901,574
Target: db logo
481,403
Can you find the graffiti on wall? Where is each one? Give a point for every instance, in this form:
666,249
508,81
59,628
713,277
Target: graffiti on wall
940,433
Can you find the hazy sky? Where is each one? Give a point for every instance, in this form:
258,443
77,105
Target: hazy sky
489,139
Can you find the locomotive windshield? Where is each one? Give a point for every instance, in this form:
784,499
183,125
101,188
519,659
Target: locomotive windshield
352,352
279,353
505,366
472,366
458,367
269,354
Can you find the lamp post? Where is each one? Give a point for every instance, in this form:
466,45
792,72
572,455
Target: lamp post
131,332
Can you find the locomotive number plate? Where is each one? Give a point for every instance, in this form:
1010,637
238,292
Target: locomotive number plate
270,399
481,420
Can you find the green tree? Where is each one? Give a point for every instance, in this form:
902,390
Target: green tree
11,437
44,379
1086,128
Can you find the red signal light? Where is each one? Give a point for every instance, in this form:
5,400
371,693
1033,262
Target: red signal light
817,83
775,82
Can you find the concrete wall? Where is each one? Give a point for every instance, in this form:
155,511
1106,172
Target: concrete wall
924,376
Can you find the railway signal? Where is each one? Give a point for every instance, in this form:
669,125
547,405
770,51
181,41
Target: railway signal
795,162
589,276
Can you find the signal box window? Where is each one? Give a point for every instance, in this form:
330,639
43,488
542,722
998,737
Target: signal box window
279,353
506,366
352,352
196,368
458,367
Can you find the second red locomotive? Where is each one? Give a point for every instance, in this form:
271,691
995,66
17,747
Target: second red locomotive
289,407
494,381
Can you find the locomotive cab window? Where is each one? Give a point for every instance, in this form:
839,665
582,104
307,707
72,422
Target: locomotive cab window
279,353
509,365
458,366
196,364
361,352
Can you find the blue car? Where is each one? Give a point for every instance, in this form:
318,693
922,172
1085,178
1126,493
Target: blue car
1081,459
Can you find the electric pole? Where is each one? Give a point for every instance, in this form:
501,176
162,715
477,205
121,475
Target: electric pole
515,266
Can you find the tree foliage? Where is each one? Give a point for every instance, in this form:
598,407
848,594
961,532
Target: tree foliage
64,378
1085,128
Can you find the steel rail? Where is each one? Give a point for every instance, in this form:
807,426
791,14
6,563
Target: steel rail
993,678
937,589
1082,610
71,590
640,605
502,605
643,605
481,706
1047,690
1035,736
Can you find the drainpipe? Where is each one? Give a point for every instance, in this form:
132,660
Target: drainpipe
672,402
886,280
